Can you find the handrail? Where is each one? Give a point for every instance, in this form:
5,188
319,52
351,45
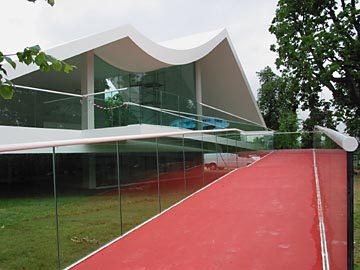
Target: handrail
173,113
48,144
126,88
231,114
180,113
48,91
349,144
106,92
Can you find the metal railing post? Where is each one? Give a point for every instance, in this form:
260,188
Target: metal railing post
119,186
350,210
158,174
56,208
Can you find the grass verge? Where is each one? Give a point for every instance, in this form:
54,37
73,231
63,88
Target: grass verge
28,231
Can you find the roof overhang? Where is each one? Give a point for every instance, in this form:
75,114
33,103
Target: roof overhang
127,49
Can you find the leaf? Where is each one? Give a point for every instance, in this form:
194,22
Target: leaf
28,59
40,59
20,56
10,61
34,49
57,65
50,58
68,68
51,2
6,91
3,70
45,67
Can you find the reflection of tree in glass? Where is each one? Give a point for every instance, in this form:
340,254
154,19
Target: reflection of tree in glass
15,113
118,112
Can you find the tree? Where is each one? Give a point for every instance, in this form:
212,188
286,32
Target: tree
278,103
276,97
318,44
30,55
288,135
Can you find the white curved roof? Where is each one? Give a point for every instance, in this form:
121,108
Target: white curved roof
141,54
127,49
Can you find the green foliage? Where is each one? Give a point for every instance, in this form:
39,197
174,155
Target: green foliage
276,97
118,113
6,91
288,136
50,2
318,43
30,55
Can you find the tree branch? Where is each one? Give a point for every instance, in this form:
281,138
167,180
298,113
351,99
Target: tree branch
343,4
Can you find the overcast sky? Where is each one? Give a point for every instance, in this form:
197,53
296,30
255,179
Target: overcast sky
25,23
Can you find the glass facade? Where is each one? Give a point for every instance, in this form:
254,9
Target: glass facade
169,88
164,97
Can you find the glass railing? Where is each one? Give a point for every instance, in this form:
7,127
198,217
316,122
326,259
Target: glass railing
61,203
34,107
330,154
41,108
148,106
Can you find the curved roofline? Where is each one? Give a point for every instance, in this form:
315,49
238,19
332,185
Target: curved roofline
161,52
125,48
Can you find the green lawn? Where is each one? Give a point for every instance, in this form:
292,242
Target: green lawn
28,234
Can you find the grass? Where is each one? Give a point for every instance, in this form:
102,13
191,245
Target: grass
28,234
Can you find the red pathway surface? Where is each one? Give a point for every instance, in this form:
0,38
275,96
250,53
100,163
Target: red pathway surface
260,217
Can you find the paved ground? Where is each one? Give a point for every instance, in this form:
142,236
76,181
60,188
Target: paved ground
261,217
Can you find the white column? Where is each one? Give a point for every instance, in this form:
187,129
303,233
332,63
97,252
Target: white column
198,89
87,116
87,87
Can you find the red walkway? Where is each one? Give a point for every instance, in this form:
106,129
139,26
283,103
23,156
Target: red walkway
260,217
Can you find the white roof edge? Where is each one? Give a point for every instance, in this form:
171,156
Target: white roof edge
245,78
163,53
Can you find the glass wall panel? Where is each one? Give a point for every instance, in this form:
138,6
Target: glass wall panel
213,118
139,182
88,199
212,158
27,211
171,170
169,89
30,108
194,169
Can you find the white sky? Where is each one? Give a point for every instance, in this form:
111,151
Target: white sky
26,24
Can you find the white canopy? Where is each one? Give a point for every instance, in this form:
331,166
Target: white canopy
223,81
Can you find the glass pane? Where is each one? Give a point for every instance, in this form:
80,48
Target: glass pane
160,89
88,199
287,140
194,169
27,211
20,110
30,108
139,182
171,170
170,109
57,111
214,118
213,164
